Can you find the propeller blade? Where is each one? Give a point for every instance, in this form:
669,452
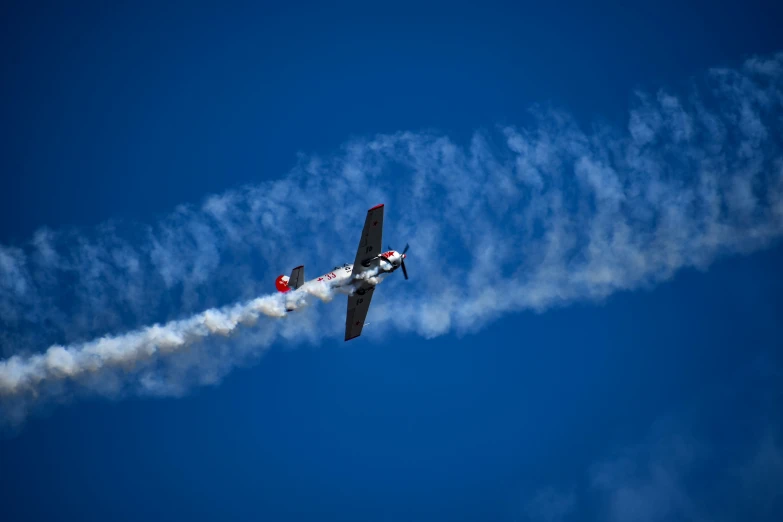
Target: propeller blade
404,272
406,248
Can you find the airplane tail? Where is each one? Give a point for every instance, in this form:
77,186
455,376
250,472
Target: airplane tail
284,283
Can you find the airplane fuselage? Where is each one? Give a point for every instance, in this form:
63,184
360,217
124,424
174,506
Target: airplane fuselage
343,277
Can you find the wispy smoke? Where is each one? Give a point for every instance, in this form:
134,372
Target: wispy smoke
25,374
517,219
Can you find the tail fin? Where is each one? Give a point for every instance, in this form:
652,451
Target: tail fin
297,277
284,283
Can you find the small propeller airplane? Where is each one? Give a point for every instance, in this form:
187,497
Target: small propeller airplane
359,279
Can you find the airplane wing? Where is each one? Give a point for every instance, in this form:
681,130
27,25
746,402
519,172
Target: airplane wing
297,277
371,242
358,305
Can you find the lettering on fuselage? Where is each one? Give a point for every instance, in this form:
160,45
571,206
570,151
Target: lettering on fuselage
334,273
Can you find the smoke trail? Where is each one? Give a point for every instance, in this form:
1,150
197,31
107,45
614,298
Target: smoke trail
135,355
24,374
519,219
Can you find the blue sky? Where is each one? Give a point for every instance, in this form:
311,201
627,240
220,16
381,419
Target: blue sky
619,377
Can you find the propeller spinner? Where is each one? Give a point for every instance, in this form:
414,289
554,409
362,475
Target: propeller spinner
402,261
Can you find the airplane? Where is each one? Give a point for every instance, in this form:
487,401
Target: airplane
359,279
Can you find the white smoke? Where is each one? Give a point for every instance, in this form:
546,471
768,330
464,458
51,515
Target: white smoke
373,276
28,376
522,219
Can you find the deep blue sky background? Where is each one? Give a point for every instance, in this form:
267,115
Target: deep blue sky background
111,111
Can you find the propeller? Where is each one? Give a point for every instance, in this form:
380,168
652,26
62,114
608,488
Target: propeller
402,255
404,271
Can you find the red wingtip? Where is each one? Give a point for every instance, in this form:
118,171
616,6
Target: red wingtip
376,206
